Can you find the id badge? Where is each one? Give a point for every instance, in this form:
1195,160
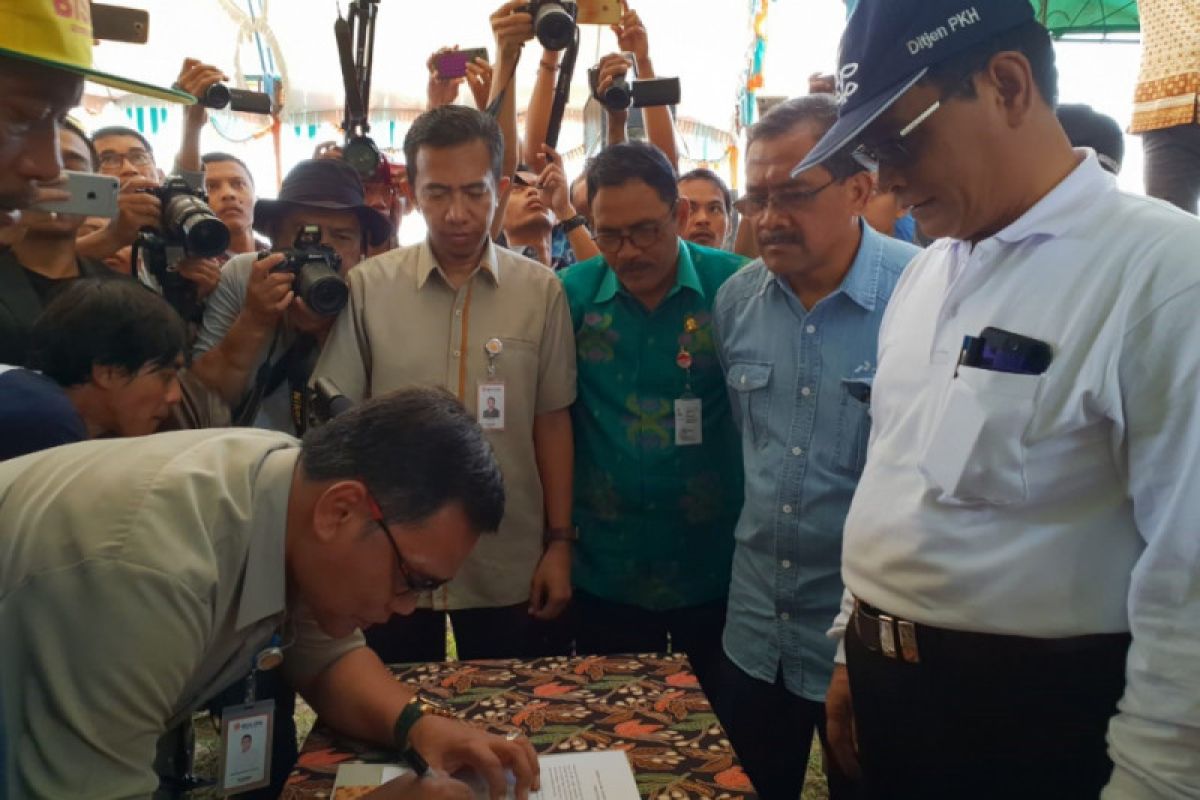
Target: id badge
689,421
246,732
490,405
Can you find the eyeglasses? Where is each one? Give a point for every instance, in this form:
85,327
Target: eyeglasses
785,201
137,158
893,151
414,583
640,236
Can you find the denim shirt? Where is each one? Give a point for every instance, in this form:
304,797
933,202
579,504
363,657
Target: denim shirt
800,387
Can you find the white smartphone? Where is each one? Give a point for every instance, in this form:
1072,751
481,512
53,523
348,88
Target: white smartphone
91,196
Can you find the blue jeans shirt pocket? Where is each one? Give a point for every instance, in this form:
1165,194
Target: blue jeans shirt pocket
749,383
854,424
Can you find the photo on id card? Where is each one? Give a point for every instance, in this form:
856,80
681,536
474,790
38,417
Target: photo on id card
246,747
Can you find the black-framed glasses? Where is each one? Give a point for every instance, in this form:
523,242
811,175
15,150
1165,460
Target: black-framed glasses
891,151
138,158
414,582
785,201
641,236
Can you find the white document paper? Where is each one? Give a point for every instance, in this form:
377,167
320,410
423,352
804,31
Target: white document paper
595,775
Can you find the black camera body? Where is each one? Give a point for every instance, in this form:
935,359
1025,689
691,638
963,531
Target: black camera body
221,96
317,268
553,21
623,94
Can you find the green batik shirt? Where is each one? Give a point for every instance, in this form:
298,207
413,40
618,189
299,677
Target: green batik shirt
655,519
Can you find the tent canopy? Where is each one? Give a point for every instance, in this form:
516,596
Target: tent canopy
1069,18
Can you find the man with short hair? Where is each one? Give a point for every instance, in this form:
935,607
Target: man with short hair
44,259
106,354
230,189
168,564
659,478
710,203
1020,556
796,333
461,313
259,338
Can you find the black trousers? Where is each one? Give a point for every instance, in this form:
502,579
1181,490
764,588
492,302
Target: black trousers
771,731
603,627
479,633
1172,165
986,717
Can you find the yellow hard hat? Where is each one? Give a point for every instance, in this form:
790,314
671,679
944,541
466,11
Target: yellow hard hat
58,33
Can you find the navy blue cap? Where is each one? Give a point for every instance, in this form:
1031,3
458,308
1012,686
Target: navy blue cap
325,183
889,45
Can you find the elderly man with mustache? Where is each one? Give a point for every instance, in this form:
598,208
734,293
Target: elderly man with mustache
796,334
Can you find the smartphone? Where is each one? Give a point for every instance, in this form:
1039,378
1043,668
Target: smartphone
1005,351
91,196
120,24
453,64
599,12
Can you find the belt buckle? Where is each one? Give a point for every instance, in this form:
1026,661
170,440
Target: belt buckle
908,642
887,636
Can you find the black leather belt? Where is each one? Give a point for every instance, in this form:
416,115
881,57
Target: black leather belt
903,640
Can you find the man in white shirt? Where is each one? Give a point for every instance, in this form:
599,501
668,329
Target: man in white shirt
1021,556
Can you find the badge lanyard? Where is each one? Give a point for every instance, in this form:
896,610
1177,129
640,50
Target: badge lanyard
689,425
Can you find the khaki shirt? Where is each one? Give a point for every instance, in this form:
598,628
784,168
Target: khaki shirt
137,579
405,325
1169,78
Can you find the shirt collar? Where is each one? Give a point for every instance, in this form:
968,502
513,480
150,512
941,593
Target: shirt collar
264,587
861,283
686,277
1058,212
427,264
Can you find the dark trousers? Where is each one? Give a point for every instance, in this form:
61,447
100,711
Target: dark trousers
1172,165
603,627
771,731
986,717
479,633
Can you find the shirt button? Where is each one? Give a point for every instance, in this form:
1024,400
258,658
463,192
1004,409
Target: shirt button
787,509
785,564
743,379
806,391
785,616
457,353
796,451
811,329
458,312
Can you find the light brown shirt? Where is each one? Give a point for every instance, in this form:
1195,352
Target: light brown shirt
138,578
406,325
1169,78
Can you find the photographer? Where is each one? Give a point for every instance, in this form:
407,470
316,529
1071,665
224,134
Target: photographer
43,259
108,352
536,204
127,155
440,91
259,337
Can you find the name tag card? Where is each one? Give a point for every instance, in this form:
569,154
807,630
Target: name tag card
490,407
246,733
689,422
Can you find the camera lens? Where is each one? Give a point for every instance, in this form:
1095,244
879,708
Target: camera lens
554,25
217,96
187,218
618,96
322,289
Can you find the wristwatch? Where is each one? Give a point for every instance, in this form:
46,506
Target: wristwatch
404,723
560,535
577,221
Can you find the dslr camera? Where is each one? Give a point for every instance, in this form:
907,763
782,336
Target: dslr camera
623,94
187,228
316,267
553,21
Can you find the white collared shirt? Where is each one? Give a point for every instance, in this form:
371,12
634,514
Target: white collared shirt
1061,504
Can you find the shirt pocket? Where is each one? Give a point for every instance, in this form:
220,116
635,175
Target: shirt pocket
976,453
749,383
854,424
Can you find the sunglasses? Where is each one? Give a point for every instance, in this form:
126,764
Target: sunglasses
413,582
893,151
